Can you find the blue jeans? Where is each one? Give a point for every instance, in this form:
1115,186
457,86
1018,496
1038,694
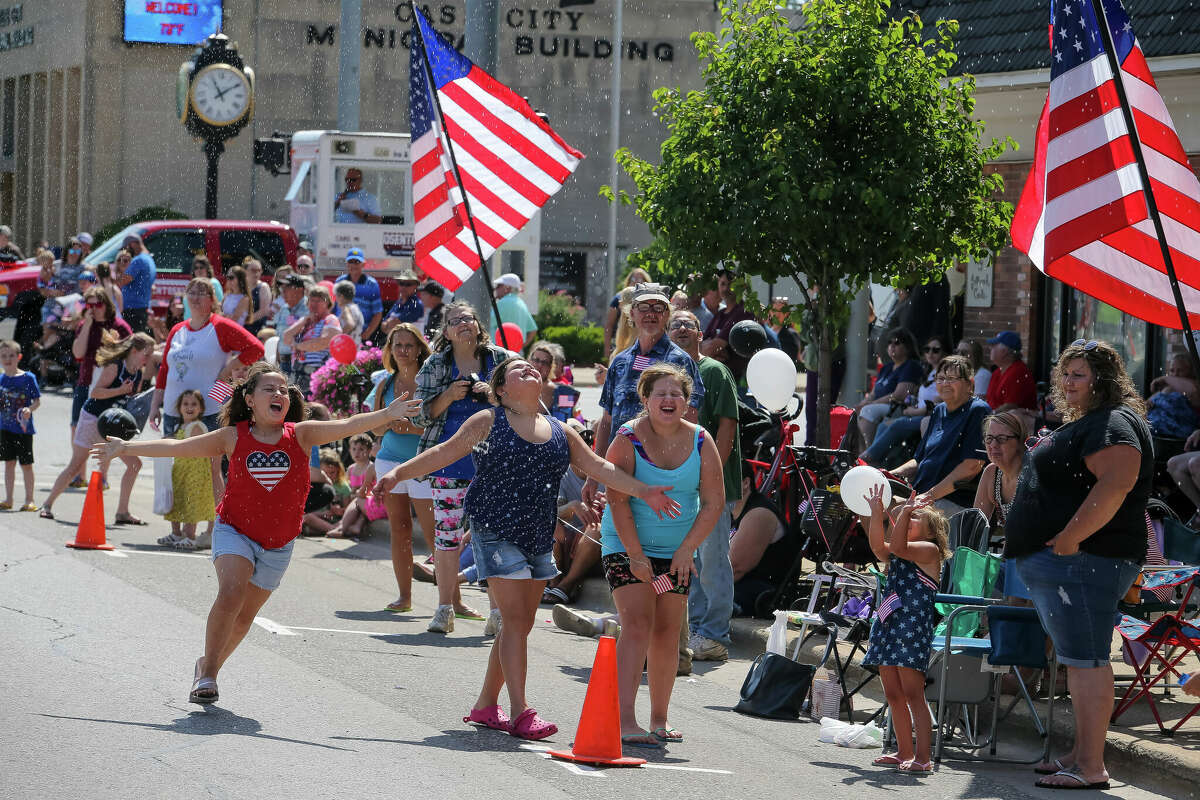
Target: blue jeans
890,432
710,599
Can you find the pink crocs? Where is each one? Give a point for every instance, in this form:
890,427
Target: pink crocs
490,717
530,726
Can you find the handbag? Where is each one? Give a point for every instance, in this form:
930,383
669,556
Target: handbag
775,687
164,489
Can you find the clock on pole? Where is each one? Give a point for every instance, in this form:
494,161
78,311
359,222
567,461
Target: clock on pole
214,96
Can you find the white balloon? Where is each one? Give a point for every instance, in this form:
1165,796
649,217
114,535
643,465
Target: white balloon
771,376
271,350
857,483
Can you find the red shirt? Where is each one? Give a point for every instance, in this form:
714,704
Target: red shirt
1013,384
88,362
267,486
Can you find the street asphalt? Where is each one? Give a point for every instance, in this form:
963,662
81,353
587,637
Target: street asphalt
330,696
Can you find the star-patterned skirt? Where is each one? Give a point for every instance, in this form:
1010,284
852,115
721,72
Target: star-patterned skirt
902,638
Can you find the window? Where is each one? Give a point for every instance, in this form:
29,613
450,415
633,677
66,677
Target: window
1126,333
173,250
368,195
562,270
266,246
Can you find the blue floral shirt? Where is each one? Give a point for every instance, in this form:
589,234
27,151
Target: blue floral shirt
619,396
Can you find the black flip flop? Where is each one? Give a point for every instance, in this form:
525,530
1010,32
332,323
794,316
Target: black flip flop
130,520
1074,774
554,596
1058,767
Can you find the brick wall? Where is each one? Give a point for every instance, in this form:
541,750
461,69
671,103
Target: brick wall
1016,284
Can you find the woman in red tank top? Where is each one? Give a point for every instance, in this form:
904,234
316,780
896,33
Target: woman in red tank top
259,516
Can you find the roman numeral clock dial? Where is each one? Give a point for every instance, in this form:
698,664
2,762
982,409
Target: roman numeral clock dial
221,95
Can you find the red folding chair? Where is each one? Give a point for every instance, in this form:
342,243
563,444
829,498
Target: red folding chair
1167,641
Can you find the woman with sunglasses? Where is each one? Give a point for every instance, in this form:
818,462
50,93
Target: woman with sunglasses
1077,530
915,414
99,317
899,377
451,386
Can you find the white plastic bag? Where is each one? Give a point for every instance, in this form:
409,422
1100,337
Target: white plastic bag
860,737
164,489
777,639
831,728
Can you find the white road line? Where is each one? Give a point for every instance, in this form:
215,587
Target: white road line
589,771
688,769
124,553
115,553
274,627
343,630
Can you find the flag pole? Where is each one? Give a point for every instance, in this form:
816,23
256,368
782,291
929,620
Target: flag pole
437,103
1110,50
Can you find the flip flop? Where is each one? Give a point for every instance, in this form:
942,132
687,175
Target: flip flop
887,761
643,739
667,735
469,613
204,690
128,519
45,513
554,596
1081,783
1057,766
398,608
916,766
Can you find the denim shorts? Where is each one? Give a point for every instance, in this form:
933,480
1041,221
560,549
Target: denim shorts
500,558
79,396
269,565
1076,599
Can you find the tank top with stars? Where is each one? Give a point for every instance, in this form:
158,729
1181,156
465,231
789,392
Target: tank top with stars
267,486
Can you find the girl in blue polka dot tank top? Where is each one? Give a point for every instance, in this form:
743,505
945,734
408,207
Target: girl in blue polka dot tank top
520,456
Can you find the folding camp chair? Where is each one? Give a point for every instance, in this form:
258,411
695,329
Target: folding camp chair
969,528
1167,641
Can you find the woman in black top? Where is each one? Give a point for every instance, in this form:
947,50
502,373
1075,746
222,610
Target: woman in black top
1077,530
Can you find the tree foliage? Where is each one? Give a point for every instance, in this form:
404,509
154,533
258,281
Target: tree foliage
832,148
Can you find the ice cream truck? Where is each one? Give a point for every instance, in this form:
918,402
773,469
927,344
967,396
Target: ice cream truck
355,190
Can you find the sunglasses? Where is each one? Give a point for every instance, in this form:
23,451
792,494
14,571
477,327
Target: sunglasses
932,350
999,438
1089,346
680,324
94,304
651,308
454,323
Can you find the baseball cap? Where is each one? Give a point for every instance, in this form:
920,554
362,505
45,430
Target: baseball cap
5,231
407,277
510,279
355,254
305,244
293,281
1010,339
650,291
85,238
87,276
133,237
435,289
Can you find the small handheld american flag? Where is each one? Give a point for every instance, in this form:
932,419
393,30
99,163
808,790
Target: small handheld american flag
890,603
220,392
566,401
663,583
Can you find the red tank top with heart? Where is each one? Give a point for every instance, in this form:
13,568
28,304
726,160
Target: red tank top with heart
266,489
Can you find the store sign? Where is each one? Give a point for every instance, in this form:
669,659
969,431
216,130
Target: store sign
979,284
12,33
538,32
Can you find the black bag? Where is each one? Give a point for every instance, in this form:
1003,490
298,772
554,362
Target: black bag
775,687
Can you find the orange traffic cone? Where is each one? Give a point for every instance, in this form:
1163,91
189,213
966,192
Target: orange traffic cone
598,739
90,535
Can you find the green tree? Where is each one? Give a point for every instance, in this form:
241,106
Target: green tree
834,149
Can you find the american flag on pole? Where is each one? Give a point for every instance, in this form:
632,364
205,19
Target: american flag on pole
1083,218
220,392
510,161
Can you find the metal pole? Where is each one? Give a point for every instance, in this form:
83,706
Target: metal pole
1110,50
482,24
349,50
212,152
614,139
857,356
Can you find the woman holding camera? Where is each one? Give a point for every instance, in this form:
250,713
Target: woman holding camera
452,385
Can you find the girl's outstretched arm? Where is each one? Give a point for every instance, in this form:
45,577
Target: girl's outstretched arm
875,528
473,431
211,445
319,432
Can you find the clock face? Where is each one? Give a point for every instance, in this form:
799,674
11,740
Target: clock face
220,94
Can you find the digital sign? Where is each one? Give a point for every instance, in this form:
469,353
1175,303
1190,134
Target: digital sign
187,22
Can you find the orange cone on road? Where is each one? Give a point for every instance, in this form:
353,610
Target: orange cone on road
598,739
90,535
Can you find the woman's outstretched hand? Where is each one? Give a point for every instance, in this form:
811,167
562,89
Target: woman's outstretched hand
402,407
387,481
656,497
106,451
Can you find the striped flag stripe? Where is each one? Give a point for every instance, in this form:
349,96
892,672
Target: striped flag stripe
1090,167
498,207
497,165
1081,110
1066,147
488,92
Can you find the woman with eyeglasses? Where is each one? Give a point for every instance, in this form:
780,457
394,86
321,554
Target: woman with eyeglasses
202,268
1004,436
1077,529
972,350
915,414
99,317
404,351
899,377
452,386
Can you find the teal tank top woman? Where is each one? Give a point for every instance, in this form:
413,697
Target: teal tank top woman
660,538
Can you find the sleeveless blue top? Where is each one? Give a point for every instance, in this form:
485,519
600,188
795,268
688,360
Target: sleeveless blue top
514,495
97,407
660,538
395,446
456,416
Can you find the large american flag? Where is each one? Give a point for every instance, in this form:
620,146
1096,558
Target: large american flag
511,162
1082,217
